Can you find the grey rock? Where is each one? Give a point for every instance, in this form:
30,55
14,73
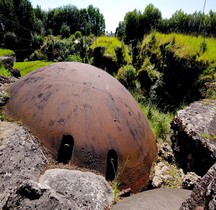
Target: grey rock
3,98
21,163
194,136
165,152
21,158
157,199
87,190
161,175
8,63
4,83
203,195
189,180
35,196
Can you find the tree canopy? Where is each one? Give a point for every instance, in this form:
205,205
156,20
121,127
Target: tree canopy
23,28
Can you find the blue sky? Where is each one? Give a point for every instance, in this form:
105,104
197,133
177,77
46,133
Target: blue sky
115,10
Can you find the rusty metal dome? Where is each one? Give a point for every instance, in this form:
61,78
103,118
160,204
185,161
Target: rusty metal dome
87,118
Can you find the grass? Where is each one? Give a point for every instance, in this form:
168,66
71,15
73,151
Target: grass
159,121
115,188
6,52
194,50
4,72
184,45
29,66
111,44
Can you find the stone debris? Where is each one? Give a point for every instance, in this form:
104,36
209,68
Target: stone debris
203,195
189,180
194,143
22,187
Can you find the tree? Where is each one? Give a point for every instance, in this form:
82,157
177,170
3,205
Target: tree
17,24
25,18
84,24
24,27
96,20
40,20
150,19
211,23
179,22
71,18
65,31
120,31
131,26
7,20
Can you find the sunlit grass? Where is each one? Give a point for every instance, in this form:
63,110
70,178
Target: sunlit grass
111,44
6,52
188,46
159,121
193,50
4,72
29,66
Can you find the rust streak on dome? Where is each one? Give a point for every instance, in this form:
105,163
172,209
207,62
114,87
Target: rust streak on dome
85,113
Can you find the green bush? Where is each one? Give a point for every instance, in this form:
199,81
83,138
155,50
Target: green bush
78,34
127,76
54,48
65,31
74,58
110,54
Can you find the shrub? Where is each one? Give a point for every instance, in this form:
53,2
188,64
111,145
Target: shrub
127,76
65,31
78,34
110,54
74,58
10,40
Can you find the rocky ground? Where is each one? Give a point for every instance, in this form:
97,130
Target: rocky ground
28,174
26,183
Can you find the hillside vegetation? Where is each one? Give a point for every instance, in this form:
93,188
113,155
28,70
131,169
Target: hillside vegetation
164,71
6,52
111,44
109,53
26,67
184,46
179,68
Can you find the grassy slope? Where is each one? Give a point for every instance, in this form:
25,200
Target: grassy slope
184,46
6,52
26,67
111,44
